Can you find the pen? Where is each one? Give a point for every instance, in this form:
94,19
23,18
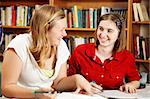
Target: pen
38,92
95,83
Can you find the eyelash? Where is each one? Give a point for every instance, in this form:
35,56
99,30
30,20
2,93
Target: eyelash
100,28
109,30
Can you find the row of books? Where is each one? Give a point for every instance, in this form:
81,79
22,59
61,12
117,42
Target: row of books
141,47
7,37
73,41
88,18
16,15
140,12
76,17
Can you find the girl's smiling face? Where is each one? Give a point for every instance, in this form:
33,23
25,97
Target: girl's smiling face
57,32
107,33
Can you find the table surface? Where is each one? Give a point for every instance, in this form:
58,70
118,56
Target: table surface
141,94
114,94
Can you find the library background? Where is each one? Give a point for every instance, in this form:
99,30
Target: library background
82,16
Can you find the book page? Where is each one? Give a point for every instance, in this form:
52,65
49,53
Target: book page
118,94
70,95
140,94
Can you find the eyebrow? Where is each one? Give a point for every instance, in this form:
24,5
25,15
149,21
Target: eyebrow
106,28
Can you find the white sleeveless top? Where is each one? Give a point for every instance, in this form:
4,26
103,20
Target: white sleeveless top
31,75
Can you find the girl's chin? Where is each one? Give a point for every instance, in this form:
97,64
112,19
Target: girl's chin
57,43
103,44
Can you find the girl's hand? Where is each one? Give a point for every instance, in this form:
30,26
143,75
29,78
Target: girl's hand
96,88
45,93
129,88
82,84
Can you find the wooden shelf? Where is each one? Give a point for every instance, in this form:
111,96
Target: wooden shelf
143,61
90,3
16,27
86,32
67,29
83,29
23,2
80,29
143,22
70,31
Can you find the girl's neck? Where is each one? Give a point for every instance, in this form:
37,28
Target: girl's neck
105,51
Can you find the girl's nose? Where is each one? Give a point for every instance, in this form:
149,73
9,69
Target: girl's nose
64,33
103,34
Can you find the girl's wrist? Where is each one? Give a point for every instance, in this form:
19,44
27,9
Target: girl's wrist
36,95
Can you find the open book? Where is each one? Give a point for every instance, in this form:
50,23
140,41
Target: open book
112,94
141,94
70,95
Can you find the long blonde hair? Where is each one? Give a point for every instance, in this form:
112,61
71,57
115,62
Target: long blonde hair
42,21
120,43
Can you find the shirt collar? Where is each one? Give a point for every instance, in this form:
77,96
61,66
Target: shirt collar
90,52
118,55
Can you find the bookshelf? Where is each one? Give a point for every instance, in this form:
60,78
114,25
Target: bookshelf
84,32
18,29
132,27
141,28
86,5
142,23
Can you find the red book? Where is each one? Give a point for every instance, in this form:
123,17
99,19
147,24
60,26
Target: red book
135,46
13,16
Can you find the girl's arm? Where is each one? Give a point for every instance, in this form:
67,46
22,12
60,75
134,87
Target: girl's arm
11,69
70,83
130,87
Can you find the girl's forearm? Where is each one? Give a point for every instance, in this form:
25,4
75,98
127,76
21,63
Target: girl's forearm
67,83
17,92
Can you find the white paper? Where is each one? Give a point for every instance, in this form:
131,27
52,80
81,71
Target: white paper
140,94
69,95
118,94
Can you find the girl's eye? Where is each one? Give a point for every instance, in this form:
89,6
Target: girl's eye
101,28
110,30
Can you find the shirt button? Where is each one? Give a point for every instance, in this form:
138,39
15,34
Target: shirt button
117,77
86,74
103,66
102,76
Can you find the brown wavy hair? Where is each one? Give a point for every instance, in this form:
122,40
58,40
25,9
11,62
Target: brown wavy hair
120,43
